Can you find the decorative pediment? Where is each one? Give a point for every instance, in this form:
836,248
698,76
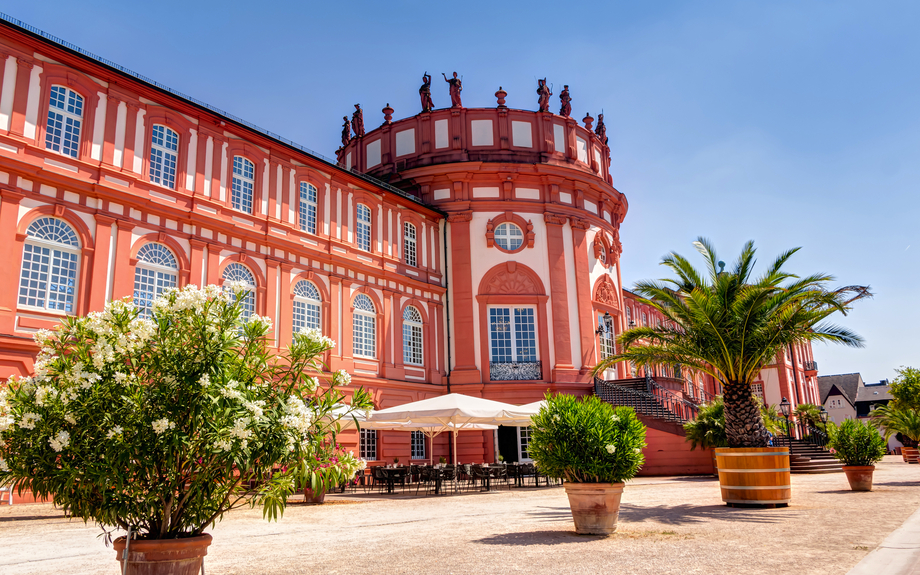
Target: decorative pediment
606,293
511,280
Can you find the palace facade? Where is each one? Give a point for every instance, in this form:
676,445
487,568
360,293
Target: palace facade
487,265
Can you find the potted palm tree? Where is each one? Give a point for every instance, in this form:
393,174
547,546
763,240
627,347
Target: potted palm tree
159,426
859,446
594,448
904,421
731,324
905,391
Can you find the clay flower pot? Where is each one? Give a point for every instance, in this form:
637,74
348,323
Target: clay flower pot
595,506
313,497
911,454
859,476
164,556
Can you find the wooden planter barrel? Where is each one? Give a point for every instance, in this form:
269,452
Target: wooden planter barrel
910,454
754,476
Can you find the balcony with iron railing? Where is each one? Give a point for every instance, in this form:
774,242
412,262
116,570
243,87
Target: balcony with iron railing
810,366
516,371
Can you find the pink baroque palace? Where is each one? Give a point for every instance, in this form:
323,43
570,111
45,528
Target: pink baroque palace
488,265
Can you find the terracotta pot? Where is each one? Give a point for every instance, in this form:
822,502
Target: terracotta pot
310,497
859,476
595,506
911,454
164,556
754,476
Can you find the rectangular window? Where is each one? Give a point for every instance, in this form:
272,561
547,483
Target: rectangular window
757,390
307,208
368,447
365,344
411,259
524,443
606,336
412,344
48,279
512,334
65,117
164,150
241,192
418,445
306,316
363,230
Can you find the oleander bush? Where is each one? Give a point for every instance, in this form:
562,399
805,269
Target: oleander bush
856,443
164,424
585,440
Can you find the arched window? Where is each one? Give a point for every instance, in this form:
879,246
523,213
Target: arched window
240,274
156,271
606,335
65,119
508,236
48,278
409,245
244,177
308,207
412,336
365,327
306,306
164,154
363,229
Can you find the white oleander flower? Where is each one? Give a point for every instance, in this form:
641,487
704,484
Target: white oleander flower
28,420
611,448
3,465
230,393
6,422
239,429
120,377
312,384
59,441
113,432
69,418
223,445
205,380
637,450
342,377
161,425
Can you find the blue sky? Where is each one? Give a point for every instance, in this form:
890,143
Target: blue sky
789,123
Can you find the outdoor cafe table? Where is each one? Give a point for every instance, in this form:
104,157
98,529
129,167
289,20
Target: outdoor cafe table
392,475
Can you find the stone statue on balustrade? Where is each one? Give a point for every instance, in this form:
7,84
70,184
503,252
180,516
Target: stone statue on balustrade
566,100
357,121
601,129
346,131
424,93
456,86
544,92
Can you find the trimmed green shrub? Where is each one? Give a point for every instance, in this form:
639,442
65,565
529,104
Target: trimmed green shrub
585,440
856,443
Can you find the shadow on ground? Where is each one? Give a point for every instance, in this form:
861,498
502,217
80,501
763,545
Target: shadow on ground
538,538
676,514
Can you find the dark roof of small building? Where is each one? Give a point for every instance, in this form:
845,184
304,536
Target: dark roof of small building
874,393
848,384
833,388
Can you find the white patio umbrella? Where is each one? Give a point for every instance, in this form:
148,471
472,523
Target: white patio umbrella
452,412
521,414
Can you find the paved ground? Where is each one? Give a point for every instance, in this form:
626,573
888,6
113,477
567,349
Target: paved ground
667,525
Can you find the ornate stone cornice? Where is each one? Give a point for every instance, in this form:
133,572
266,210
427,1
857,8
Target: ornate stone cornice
458,217
579,223
554,219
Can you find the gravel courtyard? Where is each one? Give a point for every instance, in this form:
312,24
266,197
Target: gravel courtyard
667,525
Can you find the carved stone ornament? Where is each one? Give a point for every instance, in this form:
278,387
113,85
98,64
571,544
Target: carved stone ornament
579,223
554,219
511,283
460,217
606,293
490,234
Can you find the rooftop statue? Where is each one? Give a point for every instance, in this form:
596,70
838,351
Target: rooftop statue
357,121
544,93
346,132
456,86
601,129
425,93
566,100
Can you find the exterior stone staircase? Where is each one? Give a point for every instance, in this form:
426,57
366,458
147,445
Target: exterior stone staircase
806,457
647,398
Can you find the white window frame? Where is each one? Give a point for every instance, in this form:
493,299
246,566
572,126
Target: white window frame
523,442
606,337
513,330
363,227
243,185
307,310
367,444
154,273
308,207
364,328
418,449
234,273
413,337
62,122
504,237
58,253
410,244
164,159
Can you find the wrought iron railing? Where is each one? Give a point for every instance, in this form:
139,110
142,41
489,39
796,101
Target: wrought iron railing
803,432
667,406
683,408
810,365
515,371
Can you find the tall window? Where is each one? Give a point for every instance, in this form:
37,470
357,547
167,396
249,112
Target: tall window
65,117
164,153
513,335
409,244
629,316
524,443
308,207
306,306
508,236
606,336
363,230
156,271
48,278
418,445
412,336
365,327
237,272
644,319
368,444
244,174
